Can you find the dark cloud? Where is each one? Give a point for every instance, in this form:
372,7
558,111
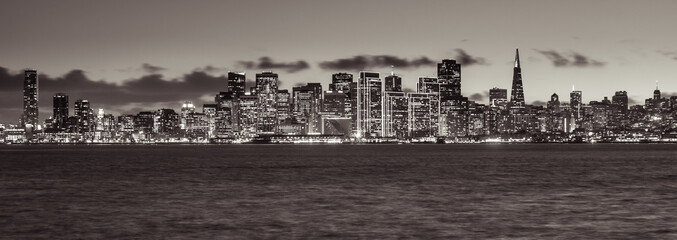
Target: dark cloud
211,69
572,59
466,60
538,103
479,97
266,63
145,91
363,62
151,69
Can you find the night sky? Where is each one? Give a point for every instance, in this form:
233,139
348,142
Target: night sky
128,56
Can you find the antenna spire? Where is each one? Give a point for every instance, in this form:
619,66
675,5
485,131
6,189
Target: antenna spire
517,58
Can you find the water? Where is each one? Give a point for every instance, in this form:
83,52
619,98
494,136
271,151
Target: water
338,191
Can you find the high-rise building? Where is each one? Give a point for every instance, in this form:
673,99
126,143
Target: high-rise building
576,103
187,110
420,115
341,82
428,85
166,122
236,83
60,111
620,100
369,105
393,83
307,104
517,94
284,105
266,90
29,119
553,104
498,96
247,114
395,112
84,114
449,77
334,103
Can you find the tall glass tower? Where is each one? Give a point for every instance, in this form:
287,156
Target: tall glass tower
29,119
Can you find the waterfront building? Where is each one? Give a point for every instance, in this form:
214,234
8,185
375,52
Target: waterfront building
29,118
60,111
236,83
266,92
369,105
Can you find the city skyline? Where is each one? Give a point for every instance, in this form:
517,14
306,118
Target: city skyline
121,46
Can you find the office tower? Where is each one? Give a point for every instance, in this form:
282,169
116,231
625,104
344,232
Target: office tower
428,85
393,83
576,103
210,112
187,109
420,113
335,103
126,124
449,77
284,106
236,83
307,104
165,122
498,97
517,94
143,122
395,120
60,111
266,90
431,86
247,113
620,99
341,82
84,114
553,104
369,107
29,119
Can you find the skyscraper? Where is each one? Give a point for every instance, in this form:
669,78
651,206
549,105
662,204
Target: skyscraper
60,111
29,119
498,96
620,100
517,94
369,105
393,83
236,83
449,77
340,82
84,114
266,90
307,104
576,102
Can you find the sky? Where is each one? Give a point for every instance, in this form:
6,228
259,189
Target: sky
128,56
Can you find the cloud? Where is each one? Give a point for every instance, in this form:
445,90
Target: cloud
363,62
151,69
479,97
571,59
669,54
466,60
211,69
538,103
148,90
266,63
